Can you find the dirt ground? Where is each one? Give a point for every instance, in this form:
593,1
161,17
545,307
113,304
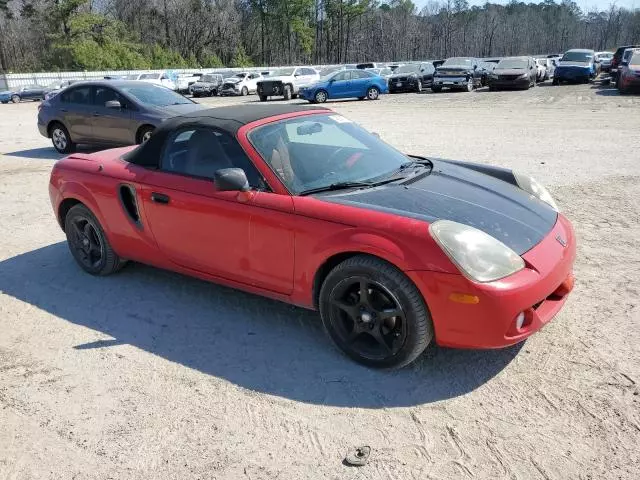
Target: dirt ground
151,375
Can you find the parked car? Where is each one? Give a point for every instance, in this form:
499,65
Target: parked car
629,71
242,83
485,69
576,65
549,67
412,77
162,79
514,72
54,88
615,61
329,70
604,58
459,73
185,80
390,266
286,82
345,84
209,84
365,65
103,112
384,72
541,69
29,92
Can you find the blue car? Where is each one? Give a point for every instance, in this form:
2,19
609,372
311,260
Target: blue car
345,84
577,65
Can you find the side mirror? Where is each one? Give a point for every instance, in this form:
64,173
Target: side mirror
231,180
375,134
115,104
475,67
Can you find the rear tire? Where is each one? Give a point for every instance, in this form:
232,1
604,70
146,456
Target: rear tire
470,85
364,326
287,92
419,86
373,93
61,139
263,98
88,243
436,89
555,82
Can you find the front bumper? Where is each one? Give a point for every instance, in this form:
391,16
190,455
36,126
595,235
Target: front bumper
540,290
454,82
402,86
42,128
572,74
501,83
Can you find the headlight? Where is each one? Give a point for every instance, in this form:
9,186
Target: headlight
477,254
530,185
493,75
524,75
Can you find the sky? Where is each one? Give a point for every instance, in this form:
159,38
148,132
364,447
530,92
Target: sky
585,5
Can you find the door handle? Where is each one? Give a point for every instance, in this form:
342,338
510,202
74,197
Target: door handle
96,114
159,197
64,110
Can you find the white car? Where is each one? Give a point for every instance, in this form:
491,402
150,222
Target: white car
542,74
242,83
161,79
286,82
185,80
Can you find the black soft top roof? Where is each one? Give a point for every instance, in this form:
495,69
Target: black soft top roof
229,119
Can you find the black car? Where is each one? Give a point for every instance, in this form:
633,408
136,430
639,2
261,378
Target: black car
411,77
209,84
458,73
514,72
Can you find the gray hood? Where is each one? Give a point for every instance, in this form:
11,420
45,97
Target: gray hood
173,110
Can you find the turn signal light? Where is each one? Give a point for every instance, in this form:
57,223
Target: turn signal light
464,298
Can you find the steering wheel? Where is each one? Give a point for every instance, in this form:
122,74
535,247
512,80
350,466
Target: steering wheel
334,157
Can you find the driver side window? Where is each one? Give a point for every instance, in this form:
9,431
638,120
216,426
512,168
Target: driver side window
201,151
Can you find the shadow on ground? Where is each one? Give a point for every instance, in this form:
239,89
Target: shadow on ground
256,343
50,153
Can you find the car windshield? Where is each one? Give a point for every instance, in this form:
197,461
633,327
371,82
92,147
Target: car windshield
576,57
241,75
329,70
155,95
635,59
515,63
149,76
408,68
320,150
457,62
542,63
208,78
283,72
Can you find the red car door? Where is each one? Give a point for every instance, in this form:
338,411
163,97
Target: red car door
241,236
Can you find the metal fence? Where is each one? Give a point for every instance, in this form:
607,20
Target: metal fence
11,81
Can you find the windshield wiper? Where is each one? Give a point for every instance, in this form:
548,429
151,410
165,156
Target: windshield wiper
338,186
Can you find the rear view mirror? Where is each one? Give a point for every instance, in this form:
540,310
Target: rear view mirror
115,104
231,180
309,129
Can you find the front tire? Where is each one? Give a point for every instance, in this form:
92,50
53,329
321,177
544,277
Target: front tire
263,98
373,93
15,98
88,243
419,87
374,313
244,92
61,139
436,89
320,96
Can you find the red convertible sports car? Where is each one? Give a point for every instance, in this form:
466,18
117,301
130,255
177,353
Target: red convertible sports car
302,205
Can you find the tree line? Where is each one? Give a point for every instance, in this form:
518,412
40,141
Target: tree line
138,34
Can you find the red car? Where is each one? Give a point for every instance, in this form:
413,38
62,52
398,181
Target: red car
302,205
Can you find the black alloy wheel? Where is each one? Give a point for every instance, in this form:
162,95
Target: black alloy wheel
374,313
88,243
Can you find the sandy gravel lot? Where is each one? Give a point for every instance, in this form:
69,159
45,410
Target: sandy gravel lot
151,375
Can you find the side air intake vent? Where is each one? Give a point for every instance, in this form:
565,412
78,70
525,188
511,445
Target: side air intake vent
129,204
